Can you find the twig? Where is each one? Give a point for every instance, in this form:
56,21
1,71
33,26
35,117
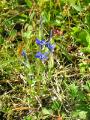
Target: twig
23,108
9,81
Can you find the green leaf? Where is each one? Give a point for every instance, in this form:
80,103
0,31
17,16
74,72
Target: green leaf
83,115
29,3
51,61
79,114
32,15
46,111
57,22
56,105
27,34
73,90
13,33
42,2
83,67
65,53
87,86
76,7
46,17
88,39
75,30
82,38
69,1
1,40
27,118
86,50
87,20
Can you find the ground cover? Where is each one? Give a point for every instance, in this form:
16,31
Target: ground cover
44,60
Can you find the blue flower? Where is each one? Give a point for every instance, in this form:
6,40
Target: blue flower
41,56
50,46
24,54
40,42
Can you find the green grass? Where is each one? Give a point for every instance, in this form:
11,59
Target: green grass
58,88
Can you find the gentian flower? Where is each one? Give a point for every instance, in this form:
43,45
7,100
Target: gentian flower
50,46
40,42
24,54
41,56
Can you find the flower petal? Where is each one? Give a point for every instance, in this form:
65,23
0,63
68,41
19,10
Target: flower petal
50,46
40,42
41,56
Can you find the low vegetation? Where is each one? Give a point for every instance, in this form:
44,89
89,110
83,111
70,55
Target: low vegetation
45,59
